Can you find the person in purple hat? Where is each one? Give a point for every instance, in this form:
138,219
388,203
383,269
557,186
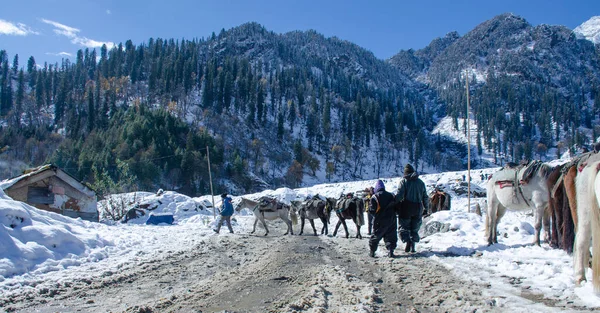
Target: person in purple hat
384,220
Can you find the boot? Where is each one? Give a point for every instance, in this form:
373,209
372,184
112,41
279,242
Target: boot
372,253
408,246
391,253
412,247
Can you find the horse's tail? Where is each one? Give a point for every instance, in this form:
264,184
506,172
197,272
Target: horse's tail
594,193
360,212
293,216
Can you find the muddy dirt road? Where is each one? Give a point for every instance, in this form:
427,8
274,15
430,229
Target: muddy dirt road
252,273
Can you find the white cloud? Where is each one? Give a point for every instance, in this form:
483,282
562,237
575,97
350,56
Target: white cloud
60,54
62,29
71,33
108,12
19,29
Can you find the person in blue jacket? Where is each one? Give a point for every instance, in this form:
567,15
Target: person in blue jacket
225,214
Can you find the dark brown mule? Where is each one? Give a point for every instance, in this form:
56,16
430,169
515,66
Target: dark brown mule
350,209
438,201
312,209
563,229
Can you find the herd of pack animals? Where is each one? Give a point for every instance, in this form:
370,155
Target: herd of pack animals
565,200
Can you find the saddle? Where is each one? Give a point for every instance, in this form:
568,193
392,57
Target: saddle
521,176
268,204
344,204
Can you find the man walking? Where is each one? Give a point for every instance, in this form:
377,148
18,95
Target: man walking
225,214
412,198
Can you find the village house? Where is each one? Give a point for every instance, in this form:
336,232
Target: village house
52,189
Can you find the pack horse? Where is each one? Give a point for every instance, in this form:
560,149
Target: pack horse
269,209
518,188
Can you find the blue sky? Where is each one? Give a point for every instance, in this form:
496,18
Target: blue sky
51,29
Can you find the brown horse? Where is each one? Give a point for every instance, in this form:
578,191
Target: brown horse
563,229
438,201
350,208
563,203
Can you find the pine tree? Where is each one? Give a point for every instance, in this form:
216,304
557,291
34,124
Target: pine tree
15,65
91,111
19,98
31,72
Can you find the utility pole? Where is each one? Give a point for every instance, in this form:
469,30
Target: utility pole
468,148
211,187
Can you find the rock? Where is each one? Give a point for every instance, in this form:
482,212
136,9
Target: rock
433,228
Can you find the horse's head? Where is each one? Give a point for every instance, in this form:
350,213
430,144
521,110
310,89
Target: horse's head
331,204
239,206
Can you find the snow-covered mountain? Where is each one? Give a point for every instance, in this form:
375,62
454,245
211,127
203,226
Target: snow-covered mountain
589,30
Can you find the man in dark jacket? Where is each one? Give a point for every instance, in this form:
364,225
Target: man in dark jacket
384,220
225,214
412,199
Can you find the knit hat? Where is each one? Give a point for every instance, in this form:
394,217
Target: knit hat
379,186
224,195
408,169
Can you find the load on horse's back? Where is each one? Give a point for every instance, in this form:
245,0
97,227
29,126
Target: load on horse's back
266,203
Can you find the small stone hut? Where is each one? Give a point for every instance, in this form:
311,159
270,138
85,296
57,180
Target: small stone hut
49,188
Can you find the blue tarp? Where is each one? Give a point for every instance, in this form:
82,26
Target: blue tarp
156,219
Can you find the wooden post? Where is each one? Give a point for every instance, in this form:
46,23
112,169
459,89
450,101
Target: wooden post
211,187
468,148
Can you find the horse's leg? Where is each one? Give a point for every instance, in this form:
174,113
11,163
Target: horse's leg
324,230
490,219
345,228
262,219
289,224
312,223
499,214
546,224
301,226
358,235
540,206
254,227
337,226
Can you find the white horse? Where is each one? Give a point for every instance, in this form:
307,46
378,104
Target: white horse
271,211
588,226
507,189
